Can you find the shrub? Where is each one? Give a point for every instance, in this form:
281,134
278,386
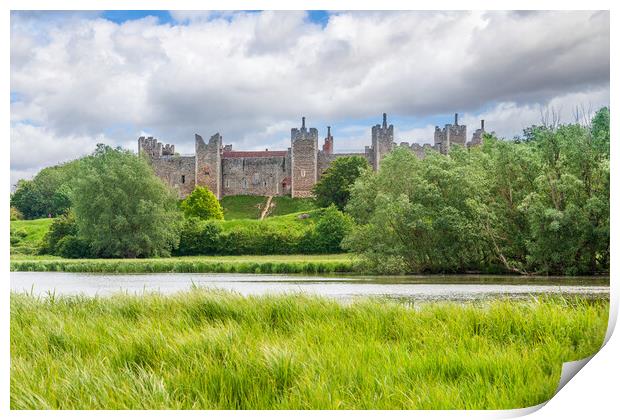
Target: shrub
71,246
198,237
61,227
16,214
203,204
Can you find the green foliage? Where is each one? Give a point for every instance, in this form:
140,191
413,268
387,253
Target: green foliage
203,204
61,227
334,185
121,208
47,193
535,205
217,350
198,237
330,230
71,246
16,214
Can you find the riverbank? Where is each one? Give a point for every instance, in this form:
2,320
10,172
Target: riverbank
204,350
259,264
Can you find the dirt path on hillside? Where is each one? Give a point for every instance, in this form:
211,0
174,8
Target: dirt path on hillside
266,209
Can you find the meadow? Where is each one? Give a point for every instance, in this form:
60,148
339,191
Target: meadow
206,349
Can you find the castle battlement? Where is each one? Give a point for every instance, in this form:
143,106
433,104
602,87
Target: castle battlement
294,171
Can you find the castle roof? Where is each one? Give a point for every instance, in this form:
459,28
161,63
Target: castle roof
254,154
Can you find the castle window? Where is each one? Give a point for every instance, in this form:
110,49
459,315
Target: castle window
303,173
256,178
245,183
227,184
182,179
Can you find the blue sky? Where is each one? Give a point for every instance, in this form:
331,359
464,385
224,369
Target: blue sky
79,78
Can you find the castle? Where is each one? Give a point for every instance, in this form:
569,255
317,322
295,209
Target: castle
280,172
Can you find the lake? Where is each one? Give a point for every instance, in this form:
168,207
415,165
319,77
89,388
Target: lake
413,288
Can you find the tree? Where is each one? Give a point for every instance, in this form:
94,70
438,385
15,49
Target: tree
335,183
535,206
333,226
203,204
418,215
47,193
122,209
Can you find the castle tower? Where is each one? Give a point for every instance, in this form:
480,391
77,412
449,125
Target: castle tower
476,138
449,135
328,145
209,163
149,146
304,149
382,141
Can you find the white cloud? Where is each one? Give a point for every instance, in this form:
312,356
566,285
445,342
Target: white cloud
250,75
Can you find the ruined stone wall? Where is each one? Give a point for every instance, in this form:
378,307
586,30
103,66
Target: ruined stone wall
209,163
304,150
178,172
149,146
476,138
382,142
255,176
451,134
420,150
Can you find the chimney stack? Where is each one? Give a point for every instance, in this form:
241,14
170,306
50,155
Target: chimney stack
482,124
303,122
456,118
329,131
384,120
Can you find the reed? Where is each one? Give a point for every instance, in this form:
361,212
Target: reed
208,349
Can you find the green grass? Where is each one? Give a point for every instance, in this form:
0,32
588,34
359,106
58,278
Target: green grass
250,206
26,234
242,206
288,221
35,229
216,350
265,264
286,205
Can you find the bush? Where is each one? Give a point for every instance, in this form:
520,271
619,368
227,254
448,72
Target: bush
61,227
198,237
16,214
17,235
71,246
203,204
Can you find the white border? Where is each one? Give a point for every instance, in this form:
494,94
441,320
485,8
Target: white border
592,393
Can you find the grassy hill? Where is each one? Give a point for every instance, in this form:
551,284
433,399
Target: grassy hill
250,206
26,234
242,206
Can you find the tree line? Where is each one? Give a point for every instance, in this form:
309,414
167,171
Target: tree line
536,204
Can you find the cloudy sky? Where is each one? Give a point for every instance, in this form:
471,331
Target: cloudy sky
78,79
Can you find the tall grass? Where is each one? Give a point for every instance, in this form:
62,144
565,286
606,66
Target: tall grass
276,264
210,349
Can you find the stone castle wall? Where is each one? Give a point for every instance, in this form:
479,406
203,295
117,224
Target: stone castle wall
294,171
255,175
